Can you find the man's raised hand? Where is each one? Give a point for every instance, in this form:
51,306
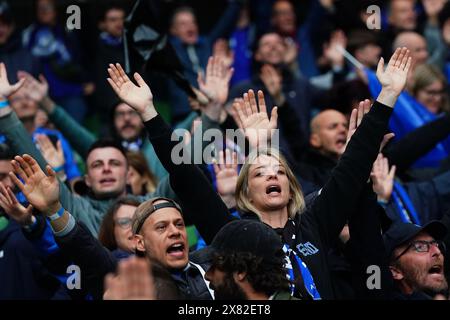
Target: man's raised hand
41,190
14,208
139,97
7,89
393,79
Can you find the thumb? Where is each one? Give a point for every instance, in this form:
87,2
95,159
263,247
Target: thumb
139,80
51,173
29,209
17,85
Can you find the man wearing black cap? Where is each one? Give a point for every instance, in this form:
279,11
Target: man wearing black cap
247,263
416,259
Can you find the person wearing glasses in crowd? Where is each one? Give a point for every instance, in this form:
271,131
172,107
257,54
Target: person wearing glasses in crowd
115,231
416,260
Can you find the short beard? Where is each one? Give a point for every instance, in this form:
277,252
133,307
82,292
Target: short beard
229,290
107,195
414,279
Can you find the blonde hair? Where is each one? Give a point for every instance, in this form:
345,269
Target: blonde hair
296,203
425,75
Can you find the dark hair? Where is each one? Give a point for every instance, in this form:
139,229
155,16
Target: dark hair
106,232
5,152
179,10
263,277
140,164
360,38
106,143
111,5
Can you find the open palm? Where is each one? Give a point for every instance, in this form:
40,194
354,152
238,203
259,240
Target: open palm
395,76
138,96
41,191
7,89
256,124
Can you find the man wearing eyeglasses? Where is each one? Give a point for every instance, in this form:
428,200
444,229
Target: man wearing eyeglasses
416,260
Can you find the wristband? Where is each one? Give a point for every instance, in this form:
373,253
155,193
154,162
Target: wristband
57,215
4,104
58,169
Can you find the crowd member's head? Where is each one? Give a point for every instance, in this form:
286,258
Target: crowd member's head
112,20
284,19
247,262
364,46
128,124
106,169
5,166
270,49
183,25
46,12
416,44
6,22
429,87
416,257
158,226
402,15
115,230
444,22
25,108
140,178
267,184
329,133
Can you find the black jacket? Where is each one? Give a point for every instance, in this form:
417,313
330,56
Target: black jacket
96,261
22,272
317,228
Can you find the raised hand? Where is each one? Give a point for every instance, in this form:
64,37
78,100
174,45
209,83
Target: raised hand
222,49
331,51
7,89
53,156
216,82
382,178
134,281
139,97
41,190
273,82
393,79
226,171
257,127
35,90
356,118
14,208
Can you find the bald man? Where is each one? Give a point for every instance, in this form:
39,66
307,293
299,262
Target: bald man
327,142
329,133
416,44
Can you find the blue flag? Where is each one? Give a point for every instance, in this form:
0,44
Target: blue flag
409,115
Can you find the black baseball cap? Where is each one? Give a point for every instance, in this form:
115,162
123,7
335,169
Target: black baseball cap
399,233
247,236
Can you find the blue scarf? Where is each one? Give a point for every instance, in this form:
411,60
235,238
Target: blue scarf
297,270
403,204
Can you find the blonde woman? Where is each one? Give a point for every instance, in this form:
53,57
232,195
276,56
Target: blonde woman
267,190
429,87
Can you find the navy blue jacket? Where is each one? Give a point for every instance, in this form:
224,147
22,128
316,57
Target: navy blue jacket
22,273
203,48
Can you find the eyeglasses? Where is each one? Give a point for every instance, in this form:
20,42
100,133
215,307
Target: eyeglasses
435,93
123,114
422,246
123,223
